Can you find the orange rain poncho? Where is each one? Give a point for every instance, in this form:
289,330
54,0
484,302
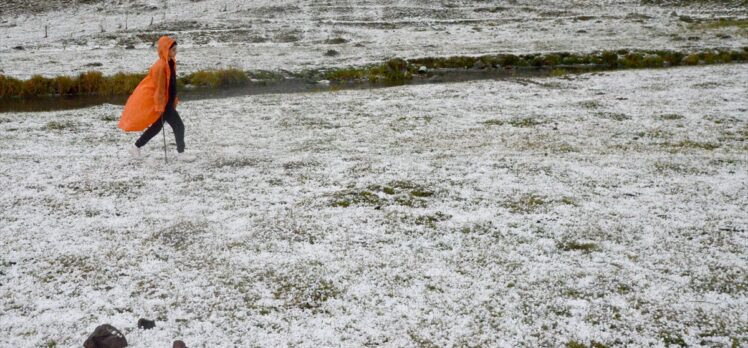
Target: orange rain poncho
148,101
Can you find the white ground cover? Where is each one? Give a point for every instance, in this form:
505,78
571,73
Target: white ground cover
607,207
295,35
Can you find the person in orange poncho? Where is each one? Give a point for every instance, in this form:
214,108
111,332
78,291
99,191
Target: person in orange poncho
154,101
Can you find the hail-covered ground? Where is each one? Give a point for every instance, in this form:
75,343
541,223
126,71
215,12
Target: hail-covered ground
607,207
68,37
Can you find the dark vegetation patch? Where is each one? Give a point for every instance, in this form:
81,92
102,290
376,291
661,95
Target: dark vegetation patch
577,344
615,116
670,117
400,192
60,125
721,23
432,219
524,122
690,144
526,204
584,247
238,162
336,41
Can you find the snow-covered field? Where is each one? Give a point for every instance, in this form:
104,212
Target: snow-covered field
527,212
295,35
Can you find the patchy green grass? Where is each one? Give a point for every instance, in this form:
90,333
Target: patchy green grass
722,23
593,344
584,247
347,198
494,122
109,118
524,122
690,144
401,192
431,220
615,116
670,117
421,193
590,104
302,292
61,125
526,204
239,162
671,339
668,168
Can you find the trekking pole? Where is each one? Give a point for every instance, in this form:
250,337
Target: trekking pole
163,131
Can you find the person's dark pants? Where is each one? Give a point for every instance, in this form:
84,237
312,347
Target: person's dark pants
172,118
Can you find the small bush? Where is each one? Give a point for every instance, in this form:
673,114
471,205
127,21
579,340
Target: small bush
232,77
91,82
691,59
632,60
570,60
610,58
345,74
395,71
36,86
652,61
203,79
10,87
64,85
551,59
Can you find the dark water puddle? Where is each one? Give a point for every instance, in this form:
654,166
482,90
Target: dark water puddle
292,85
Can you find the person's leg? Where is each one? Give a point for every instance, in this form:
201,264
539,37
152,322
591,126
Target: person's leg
176,124
149,133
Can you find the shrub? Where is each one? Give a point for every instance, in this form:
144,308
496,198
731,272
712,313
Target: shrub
632,60
202,79
570,60
551,59
219,78
709,57
509,60
232,77
64,85
91,82
122,83
610,58
652,61
37,85
10,87
691,59
345,74
460,62
394,71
